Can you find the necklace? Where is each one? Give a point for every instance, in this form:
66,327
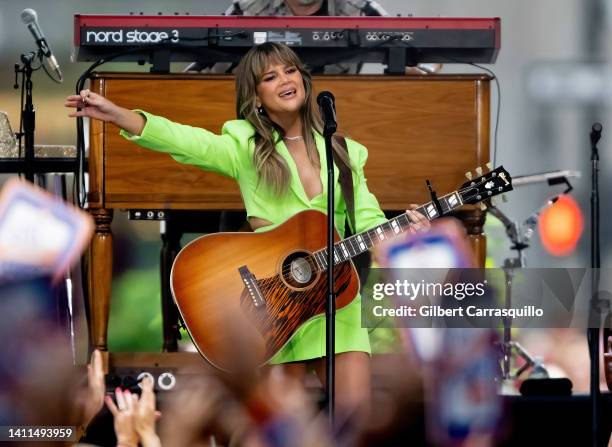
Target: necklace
296,138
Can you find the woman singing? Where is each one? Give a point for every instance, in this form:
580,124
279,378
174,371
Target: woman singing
276,153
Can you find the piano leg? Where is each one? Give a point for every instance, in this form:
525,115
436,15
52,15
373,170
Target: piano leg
99,277
473,219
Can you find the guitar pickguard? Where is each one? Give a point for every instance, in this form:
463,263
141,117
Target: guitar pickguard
287,309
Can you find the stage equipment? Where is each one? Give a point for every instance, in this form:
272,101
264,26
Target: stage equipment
31,62
327,109
519,235
598,305
30,18
47,158
395,41
561,226
551,177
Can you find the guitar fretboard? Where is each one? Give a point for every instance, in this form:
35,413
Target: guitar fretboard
359,243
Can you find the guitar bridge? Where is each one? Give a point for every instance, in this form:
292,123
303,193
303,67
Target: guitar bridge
252,287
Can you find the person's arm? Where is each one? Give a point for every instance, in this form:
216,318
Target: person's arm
195,146
367,210
186,144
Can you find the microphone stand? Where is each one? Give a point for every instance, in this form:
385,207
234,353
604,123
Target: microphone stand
596,304
519,235
330,308
28,115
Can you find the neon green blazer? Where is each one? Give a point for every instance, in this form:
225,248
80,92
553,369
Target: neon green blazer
231,154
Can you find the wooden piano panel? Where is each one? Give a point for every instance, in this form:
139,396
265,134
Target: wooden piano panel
434,127
415,128
137,177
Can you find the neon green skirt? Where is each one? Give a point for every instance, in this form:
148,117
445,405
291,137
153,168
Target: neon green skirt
309,341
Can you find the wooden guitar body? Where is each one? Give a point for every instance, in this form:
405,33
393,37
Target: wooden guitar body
237,319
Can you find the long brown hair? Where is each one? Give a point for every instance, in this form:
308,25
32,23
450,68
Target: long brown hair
271,167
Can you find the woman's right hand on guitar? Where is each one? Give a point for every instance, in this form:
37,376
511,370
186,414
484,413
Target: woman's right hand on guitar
95,106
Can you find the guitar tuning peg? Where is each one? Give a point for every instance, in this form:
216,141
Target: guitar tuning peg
489,166
479,171
482,206
469,175
504,198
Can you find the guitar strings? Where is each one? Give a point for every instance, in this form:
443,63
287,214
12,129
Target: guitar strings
310,258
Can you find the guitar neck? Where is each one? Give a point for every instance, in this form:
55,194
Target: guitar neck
359,243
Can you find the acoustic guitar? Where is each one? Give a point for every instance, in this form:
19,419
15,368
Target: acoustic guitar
243,296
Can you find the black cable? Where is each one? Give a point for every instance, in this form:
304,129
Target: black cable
496,79
491,72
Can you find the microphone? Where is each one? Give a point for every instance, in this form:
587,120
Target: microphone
596,133
328,112
30,18
552,177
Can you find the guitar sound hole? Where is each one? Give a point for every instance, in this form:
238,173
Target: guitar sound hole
299,270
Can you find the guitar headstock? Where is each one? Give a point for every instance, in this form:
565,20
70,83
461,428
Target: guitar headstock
489,185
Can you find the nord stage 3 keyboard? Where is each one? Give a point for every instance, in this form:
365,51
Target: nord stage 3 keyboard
395,41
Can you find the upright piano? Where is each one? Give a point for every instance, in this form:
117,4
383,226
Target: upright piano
434,127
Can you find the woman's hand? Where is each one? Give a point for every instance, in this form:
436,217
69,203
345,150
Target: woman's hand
98,107
418,222
92,105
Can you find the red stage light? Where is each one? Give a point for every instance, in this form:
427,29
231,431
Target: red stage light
561,226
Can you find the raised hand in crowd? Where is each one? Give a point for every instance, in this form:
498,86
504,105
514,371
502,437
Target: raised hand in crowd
134,418
123,417
145,415
93,398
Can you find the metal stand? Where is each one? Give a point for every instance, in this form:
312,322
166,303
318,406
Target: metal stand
597,305
28,115
330,308
519,235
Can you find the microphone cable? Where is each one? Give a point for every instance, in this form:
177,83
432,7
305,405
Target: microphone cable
480,67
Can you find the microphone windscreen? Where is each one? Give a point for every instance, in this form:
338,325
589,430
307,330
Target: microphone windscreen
324,95
29,16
